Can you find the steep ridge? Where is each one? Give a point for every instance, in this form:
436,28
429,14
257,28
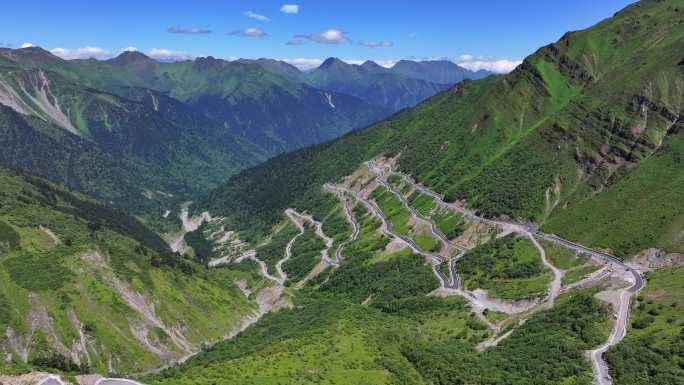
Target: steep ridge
559,123
570,143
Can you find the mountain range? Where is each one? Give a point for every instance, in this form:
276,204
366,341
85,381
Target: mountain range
132,130
353,224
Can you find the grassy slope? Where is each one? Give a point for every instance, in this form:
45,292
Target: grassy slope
640,211
38,272
653,351
508,267
371,322
573,108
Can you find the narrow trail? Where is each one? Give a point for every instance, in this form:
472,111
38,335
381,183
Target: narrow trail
556,284
318,229
288,249
554,291
599,364
263,269
356,228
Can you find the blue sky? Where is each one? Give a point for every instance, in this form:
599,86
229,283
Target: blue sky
480,34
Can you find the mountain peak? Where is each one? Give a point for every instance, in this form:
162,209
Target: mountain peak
332,61
371,64
29,55
130,57
210,62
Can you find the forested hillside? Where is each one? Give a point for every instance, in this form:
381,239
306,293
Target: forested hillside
576,122
87,288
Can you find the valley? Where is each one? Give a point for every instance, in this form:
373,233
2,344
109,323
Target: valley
208,221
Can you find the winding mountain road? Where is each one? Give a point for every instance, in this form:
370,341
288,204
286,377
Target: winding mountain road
556,284
433,226
599,364
288,249
386,225
356,229
600,367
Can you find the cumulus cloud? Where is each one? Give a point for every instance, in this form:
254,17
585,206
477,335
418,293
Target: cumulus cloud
163,54
304,64
81,53
248,32
188,31
256,16
291,9
27,45
376,44
331,36
499,66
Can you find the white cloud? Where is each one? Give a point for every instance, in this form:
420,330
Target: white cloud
386,63
27,45
256,16
129,49
81,53
162,54
291,9
304,64
189,31
249,32
376,44
331,36
499,66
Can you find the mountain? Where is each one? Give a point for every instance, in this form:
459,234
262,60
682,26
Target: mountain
375,85
87,288
560,125
262,101
143,134
437,71
497,233
116,148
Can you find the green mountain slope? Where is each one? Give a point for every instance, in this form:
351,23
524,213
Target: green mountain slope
436,71
112,147
84,287
266,102
584,139
563,129
134,131
374,84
